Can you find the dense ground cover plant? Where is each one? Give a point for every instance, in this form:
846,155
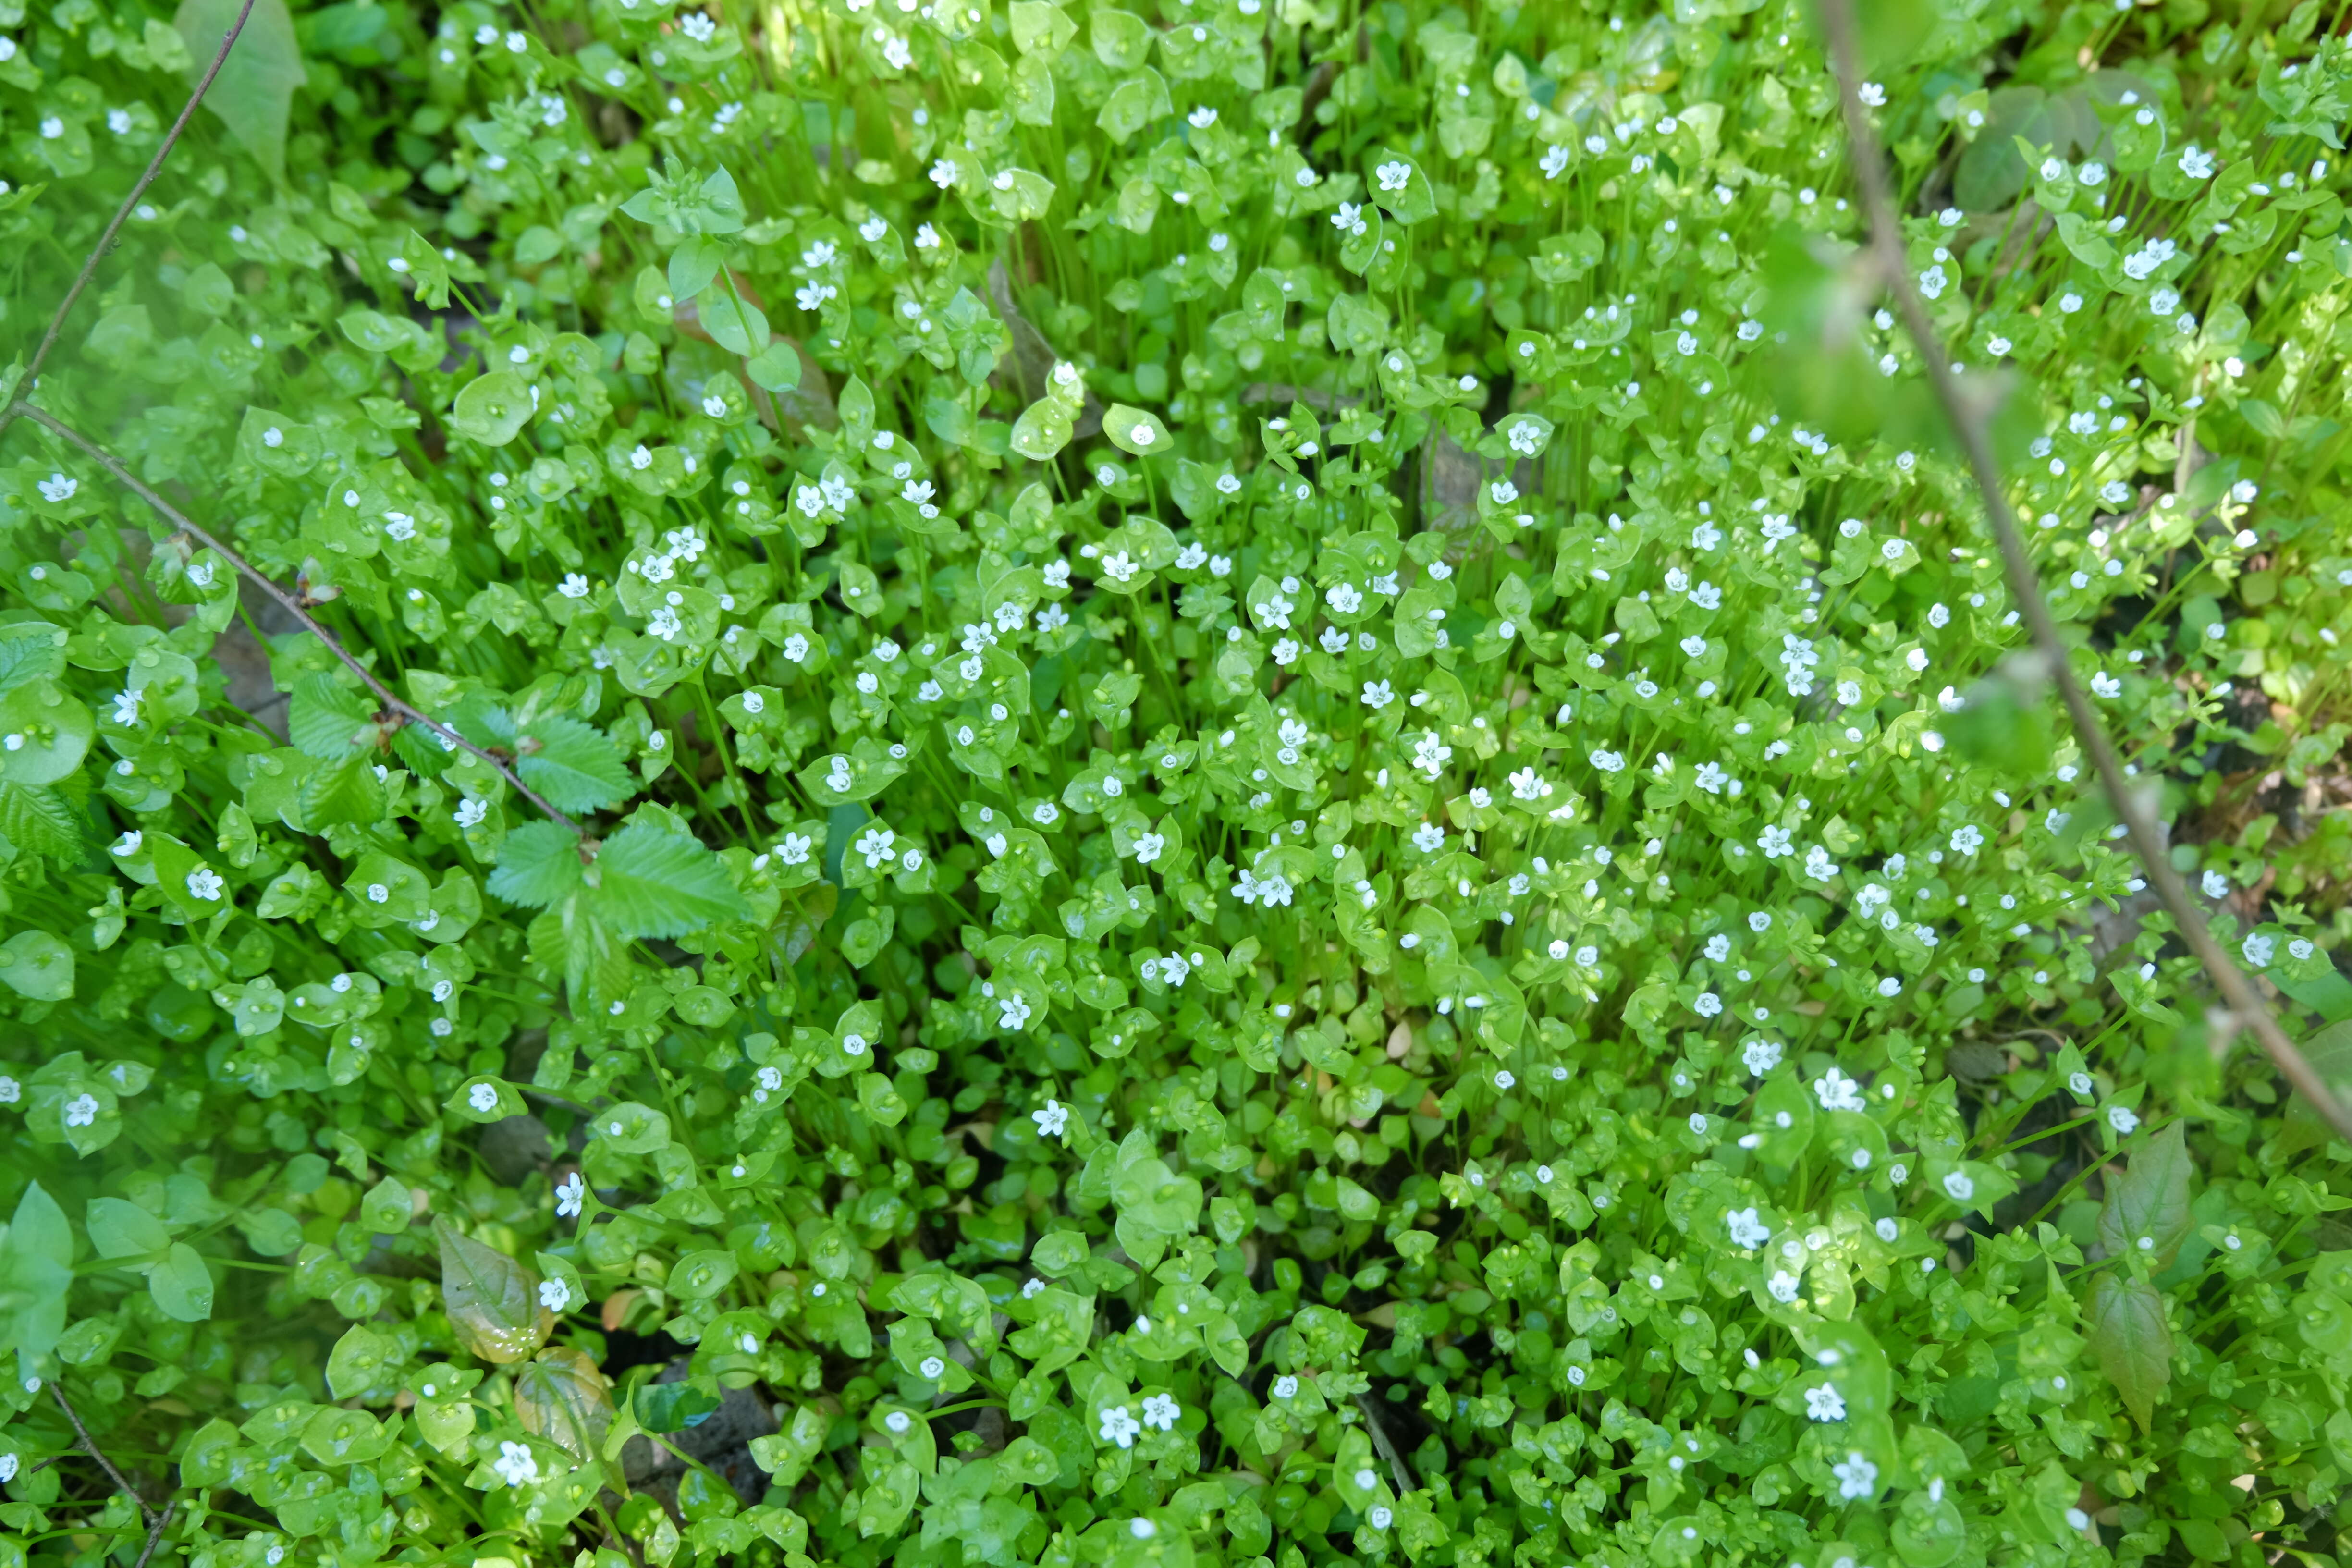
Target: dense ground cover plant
1234,783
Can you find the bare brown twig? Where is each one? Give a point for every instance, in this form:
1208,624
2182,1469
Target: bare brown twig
22,408
162,1522
405,712
91,1447
1969,423
106,240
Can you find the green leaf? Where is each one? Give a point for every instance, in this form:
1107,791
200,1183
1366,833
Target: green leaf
2146,1209
633,1129
36,965
182,1285
701,1275
491,1299
675,1406
1401,187
562,1397
1135,104
48,731
655,882
481,1100
39,819
1043,430
538,865
326,719
2132,1340
36,1273
255,85
358,1362
573,764
1134,431
2329,1052
735,325
120,1228
492,408
693,265
777,367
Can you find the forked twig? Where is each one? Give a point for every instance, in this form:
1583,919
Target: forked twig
1968,424
162,1522
106,240
293,606
89,1446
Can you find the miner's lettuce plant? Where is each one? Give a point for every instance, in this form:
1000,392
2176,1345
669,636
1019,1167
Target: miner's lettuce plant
1237,783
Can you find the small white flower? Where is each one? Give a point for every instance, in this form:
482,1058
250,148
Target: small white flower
1837,1092
2196,163
2123,1120
2259,950
1395,176
554,1295
59,487
1857,1478
1119,1426
1824,1403
515,1465
1960,1187
1161,1411
1782,1286
568,1196
206,883
1747,1229
81,1111
483,1098
1052,1120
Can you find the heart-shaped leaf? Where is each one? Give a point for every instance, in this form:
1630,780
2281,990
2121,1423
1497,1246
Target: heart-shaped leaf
492,1300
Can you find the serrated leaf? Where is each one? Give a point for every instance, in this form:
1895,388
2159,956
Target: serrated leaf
36,818
29,650
2132,1340
573,764
326,720
2149,1202
492,1300
348,792
538,865
653,881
